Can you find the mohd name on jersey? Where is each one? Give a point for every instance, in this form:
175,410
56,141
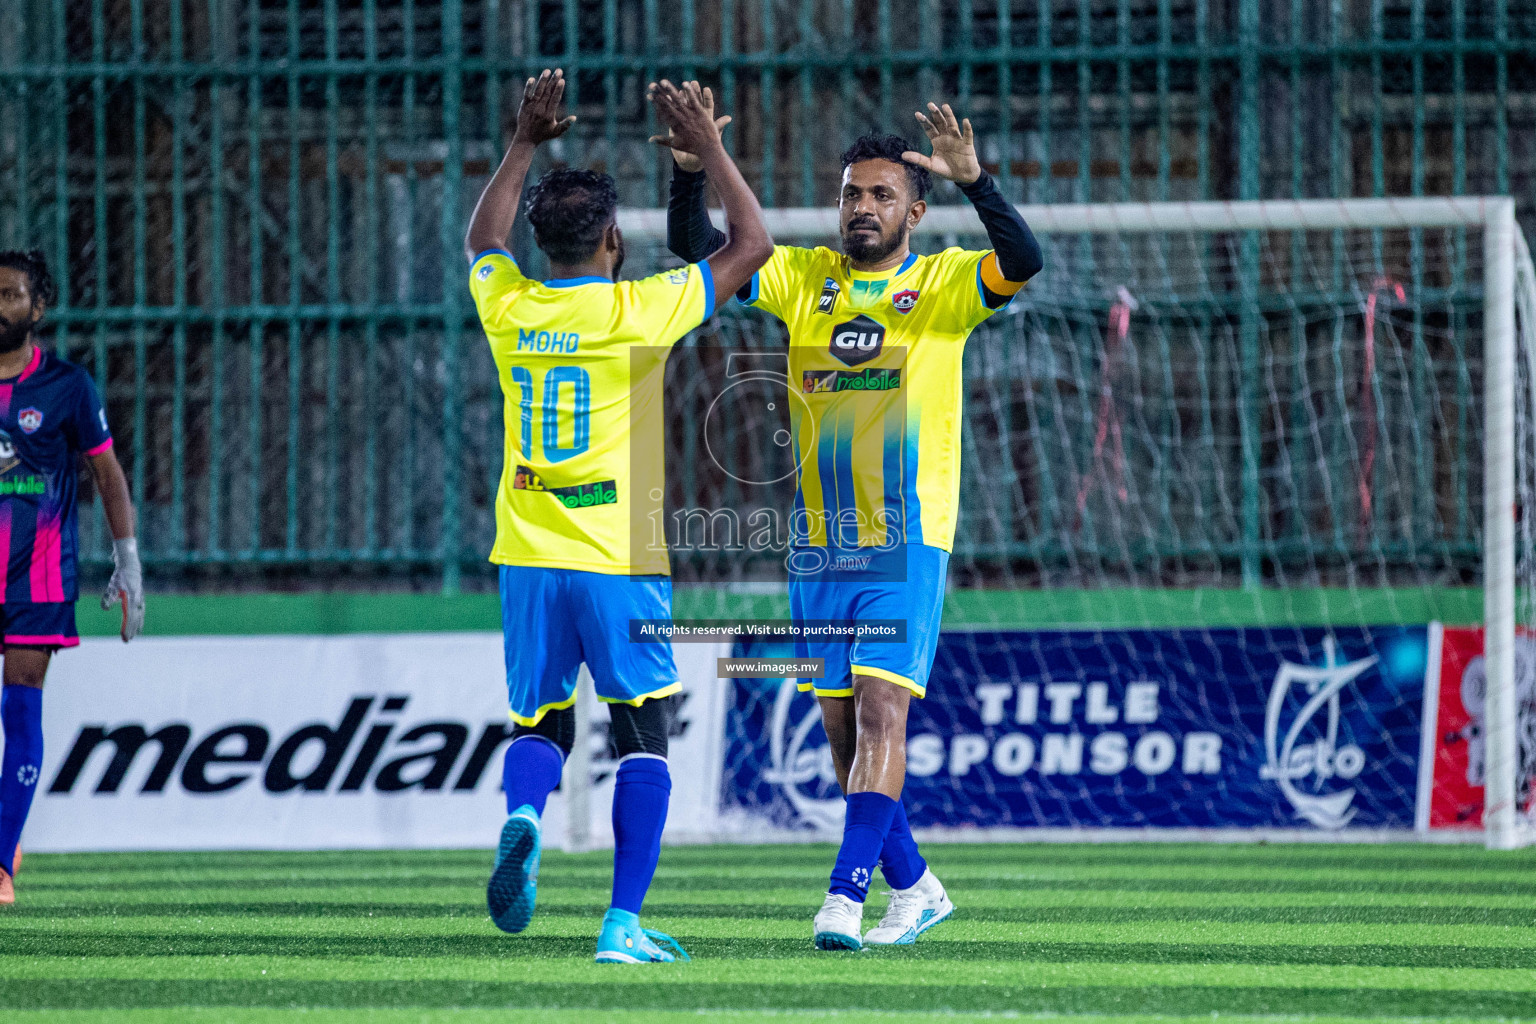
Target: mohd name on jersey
598,492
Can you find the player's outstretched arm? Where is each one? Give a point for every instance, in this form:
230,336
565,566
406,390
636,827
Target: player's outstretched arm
491,224
692,130
1016,254
127,583
691,236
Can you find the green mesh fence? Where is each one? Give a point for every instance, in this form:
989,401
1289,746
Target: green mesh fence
255,207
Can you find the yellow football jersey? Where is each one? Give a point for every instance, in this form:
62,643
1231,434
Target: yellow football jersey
581,364
875,381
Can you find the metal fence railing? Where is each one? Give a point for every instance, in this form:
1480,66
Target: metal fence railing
254,207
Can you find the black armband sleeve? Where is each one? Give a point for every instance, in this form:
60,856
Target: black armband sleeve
1018,253
690,235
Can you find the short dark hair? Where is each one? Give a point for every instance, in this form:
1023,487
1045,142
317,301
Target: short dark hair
876,146
35,265
569,210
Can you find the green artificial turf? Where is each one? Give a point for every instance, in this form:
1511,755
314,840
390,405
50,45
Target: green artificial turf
1097,932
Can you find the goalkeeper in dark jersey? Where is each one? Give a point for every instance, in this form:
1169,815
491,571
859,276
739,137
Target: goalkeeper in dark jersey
50,416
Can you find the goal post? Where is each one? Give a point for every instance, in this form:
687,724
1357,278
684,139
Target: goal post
1499,796
1143,218
1093,527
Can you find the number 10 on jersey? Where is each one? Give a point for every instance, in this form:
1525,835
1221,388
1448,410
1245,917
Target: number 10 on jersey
569,385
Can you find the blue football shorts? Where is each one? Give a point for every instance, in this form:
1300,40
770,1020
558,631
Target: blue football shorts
552,620
904,582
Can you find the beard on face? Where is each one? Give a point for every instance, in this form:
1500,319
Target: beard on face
862,250
14,335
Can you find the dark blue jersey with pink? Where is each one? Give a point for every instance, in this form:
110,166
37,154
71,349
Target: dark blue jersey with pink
49,416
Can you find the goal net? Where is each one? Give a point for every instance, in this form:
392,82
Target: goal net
1241,527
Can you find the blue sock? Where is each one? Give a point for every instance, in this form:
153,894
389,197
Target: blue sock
900,862
869,819
530,772
21,714
641,790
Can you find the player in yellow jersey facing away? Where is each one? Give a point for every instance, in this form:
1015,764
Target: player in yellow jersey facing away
876,334
581,357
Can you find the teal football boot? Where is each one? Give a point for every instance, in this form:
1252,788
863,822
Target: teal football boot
514,885
838,924
911,912
623,941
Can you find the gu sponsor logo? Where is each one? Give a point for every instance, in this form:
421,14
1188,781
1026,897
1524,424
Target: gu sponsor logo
872,379
547,341
857,341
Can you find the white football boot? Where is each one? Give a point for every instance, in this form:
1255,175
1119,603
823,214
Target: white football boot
911,912
839,923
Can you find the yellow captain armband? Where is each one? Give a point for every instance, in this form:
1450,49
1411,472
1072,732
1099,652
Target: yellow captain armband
994,281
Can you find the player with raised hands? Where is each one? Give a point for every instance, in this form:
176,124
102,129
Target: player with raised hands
581,358
876,334
50,416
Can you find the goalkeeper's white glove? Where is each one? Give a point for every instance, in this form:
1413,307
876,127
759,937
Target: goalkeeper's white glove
127,586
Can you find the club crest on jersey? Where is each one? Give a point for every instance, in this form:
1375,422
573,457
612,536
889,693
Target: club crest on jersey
828,296
857,341
29,419
904,300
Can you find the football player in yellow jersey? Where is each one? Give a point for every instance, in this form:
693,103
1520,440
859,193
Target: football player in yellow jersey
581,359
876,334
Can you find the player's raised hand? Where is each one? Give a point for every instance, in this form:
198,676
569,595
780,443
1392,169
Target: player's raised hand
536,121
954,146
691,124
687,161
